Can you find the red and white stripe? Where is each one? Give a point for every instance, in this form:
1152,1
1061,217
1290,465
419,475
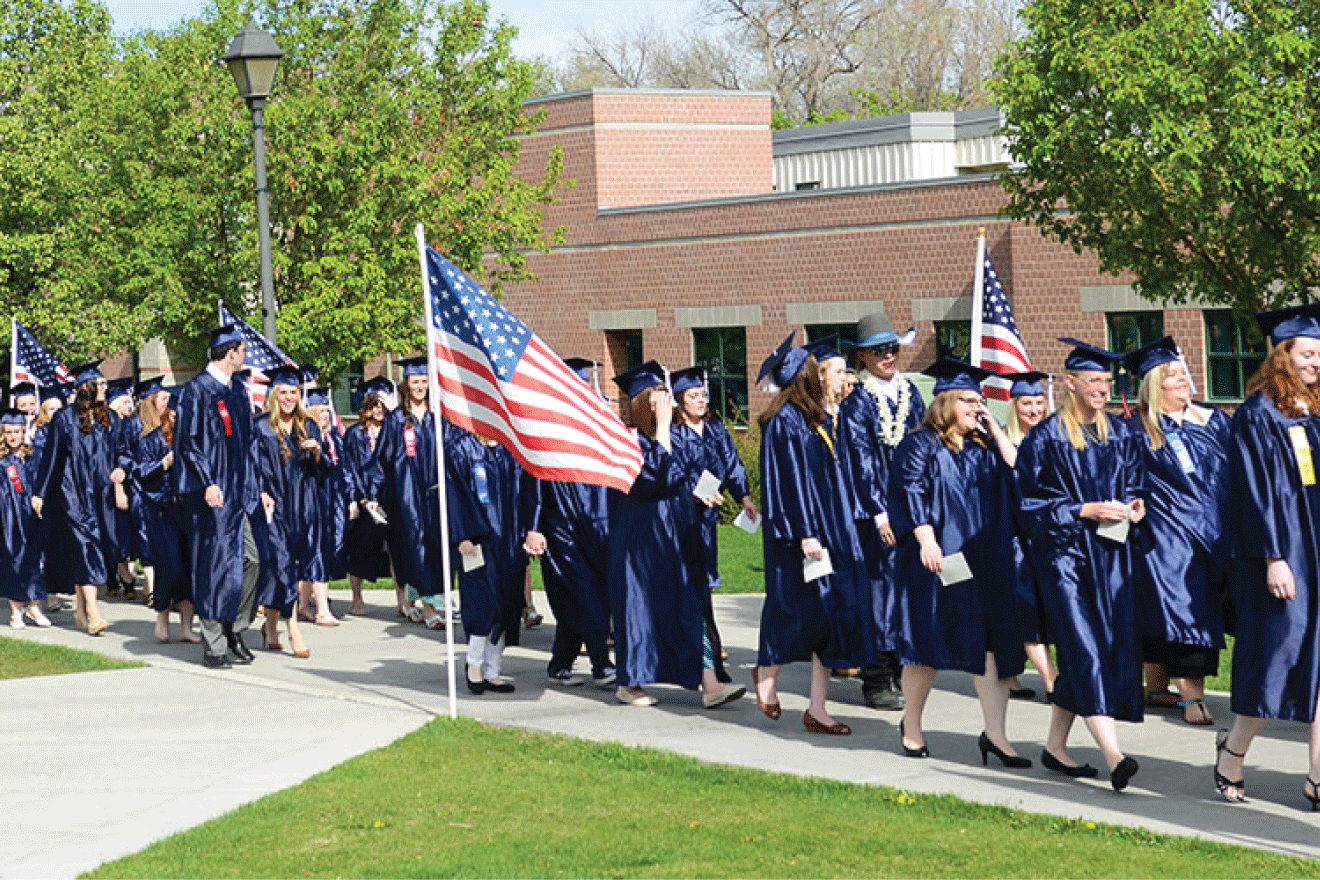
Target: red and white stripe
1002,351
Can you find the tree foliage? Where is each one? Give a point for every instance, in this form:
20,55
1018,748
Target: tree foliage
1177,140
385,114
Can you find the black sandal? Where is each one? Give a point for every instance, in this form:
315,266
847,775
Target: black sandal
1222,783
1314,796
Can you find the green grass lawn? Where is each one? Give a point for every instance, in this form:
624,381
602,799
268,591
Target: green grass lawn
23,659
461,799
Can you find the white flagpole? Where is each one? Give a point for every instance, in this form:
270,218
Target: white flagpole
13,349
436,413
978,298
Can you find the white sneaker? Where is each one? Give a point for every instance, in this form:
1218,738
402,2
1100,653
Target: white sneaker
16,622
38,619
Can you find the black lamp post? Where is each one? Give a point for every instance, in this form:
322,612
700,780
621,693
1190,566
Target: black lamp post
253,58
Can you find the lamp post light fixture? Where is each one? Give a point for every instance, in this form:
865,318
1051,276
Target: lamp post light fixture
253,58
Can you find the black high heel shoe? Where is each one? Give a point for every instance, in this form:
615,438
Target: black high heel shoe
1222,783
1314,796
1080,771
988,748
922,752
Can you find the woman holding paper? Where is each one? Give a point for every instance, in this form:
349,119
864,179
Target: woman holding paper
1186,459
365,554
949,508
1275,523
1081,479
817,593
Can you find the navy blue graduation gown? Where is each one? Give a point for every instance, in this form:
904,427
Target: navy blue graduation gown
1183,551
713,450
803,496
163,520
1029,604
213,447
333,494
864,459
964,497
73,480
486,506
405,484
289,475
658,596
365,555
130,526
574,518
1276,658
20,552
1086,581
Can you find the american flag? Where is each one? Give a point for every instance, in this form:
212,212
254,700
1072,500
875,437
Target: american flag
33,363
500,380
262,355
1002,350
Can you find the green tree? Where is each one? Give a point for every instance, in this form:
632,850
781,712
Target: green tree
1175,139
385,114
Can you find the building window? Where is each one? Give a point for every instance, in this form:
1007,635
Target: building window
1234,348
845,332
1129,331
953,339
722,352
807,185
345,394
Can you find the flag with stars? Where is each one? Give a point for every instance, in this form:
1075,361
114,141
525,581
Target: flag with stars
33,362
1002,350
500,380
261,355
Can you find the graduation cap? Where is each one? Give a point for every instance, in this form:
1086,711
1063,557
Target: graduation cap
22,389
687,379
824,349
413,366
1085,356
285,375
244,375
633,382
148,387
1029,384
318,397
118,388
54,392
1148,357
13,417
376,385
309,374
951,374
88,372
1294,321
783,365
876,330
222,336
582,366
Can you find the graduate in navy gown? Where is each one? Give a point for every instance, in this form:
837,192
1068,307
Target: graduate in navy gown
82,469
366,557
404,485
290,463
23,397
569,530
488,504
658,588
333,488
823,620
52,401
215,482
170,579
705,446
128,511
873,420
1275,523
21,581
949,498
1184,560
1027,407
153,399
1078,470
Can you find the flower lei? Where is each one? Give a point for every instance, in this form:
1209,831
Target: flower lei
893,424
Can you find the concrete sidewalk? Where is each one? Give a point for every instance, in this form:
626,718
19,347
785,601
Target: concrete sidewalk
102,764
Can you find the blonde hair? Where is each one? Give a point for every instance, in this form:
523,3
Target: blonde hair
300,418
940,418
148,412
1068,416
1148,404
1013,429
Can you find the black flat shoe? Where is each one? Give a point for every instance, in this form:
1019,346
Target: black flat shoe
922,752
1022,693
1313,795
476,687
988,748
1126,769
1081,771
499,687
216,661
242,654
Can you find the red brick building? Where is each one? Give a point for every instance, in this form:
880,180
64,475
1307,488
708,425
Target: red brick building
677,246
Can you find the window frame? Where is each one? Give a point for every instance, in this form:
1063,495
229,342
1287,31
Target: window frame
718,380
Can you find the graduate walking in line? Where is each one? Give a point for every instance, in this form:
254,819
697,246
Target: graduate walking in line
21,581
